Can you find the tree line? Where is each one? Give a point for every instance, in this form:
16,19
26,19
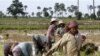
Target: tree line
17,9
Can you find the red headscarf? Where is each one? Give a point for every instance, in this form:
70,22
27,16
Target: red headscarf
72,24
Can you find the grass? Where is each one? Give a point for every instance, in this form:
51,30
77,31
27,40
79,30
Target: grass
1,50
41,23
82,54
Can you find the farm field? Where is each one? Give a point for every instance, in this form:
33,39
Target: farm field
42,23
1,50
21,36
19,29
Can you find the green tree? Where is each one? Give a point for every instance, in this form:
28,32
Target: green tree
70,16
78,15
45,12
39,8
50,8
25,7
93,16
86,15
51,12
72,9
62,8
90,8
26,13
56,8
59,9
98,13
98,7
32,14
75,8
16,8
1,14
38,14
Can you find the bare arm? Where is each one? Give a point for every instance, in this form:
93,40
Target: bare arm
60,43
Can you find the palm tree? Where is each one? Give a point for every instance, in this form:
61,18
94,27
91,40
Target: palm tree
72,9
51,13
75,8
39,8
90,8
56,8
50,10
25,7
1,14
69,9
86,15
62,8
32,14
99,7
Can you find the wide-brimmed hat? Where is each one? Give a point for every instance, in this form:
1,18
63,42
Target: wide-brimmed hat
53,19
61,22
72,24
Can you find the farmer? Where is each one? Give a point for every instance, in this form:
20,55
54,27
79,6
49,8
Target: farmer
51,31
40,44
8,48
22,49
60,29
83,38
71,39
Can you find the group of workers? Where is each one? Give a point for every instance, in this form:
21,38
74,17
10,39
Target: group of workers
69,34
70,37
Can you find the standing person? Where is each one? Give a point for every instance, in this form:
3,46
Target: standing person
71,39
51,31
60,29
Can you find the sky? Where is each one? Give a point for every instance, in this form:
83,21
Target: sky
32,4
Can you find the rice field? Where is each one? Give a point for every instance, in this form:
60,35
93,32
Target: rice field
35,23
1,49
18,29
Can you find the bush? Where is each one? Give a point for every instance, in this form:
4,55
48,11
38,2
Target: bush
93,16
78,15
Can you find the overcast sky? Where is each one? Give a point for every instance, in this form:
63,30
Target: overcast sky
32,4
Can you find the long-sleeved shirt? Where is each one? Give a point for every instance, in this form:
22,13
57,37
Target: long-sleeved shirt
71,42
60,31
51,30
25,48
